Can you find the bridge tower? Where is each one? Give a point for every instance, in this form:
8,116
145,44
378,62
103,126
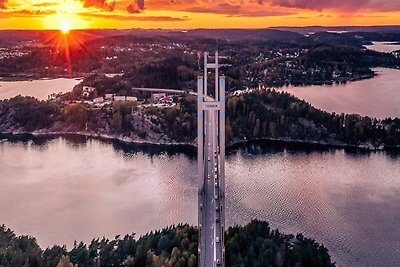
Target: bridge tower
211,166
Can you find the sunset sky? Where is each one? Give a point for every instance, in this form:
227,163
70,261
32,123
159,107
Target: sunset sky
82,14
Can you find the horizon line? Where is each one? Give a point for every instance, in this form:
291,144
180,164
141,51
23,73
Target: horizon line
224,28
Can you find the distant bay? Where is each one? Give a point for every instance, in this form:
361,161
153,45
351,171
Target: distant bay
377,97
40,89
384,47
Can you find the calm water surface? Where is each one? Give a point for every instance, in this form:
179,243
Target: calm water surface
36,88
63,190
385,47
377,97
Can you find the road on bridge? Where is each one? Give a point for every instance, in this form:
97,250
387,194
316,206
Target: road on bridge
211,201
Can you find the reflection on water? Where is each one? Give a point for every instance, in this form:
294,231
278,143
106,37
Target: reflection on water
377,97
63,190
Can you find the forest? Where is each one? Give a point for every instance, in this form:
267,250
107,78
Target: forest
254,244
173,61
260,114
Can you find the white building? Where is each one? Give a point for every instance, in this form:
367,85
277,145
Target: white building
98,100
131,98
109,96
119,98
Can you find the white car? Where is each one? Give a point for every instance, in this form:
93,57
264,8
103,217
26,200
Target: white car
217,239
216,184
209,159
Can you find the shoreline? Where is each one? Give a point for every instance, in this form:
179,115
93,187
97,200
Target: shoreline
233,145
81,76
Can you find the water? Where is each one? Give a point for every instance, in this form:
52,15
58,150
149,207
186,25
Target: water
377,97
36,88
63,190
385,47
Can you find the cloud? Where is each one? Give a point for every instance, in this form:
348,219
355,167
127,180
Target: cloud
46,4
27,13
351,5
137,6
3,4
132,18
101,4
236,10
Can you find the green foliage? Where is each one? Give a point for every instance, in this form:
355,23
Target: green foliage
252,245
18,250
121,115
255,115
269,114
75,114
28,112
256,245
180,122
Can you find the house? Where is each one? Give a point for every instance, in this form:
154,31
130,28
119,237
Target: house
98,100
166,99
119,98
88,89
158,96
108,96
131,98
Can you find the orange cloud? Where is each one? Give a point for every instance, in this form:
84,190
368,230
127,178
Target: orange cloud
46,4
103,4
137,6
196,13
131,17
352,5
26,13
236,10
3,4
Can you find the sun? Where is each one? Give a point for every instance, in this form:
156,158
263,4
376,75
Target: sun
65,27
